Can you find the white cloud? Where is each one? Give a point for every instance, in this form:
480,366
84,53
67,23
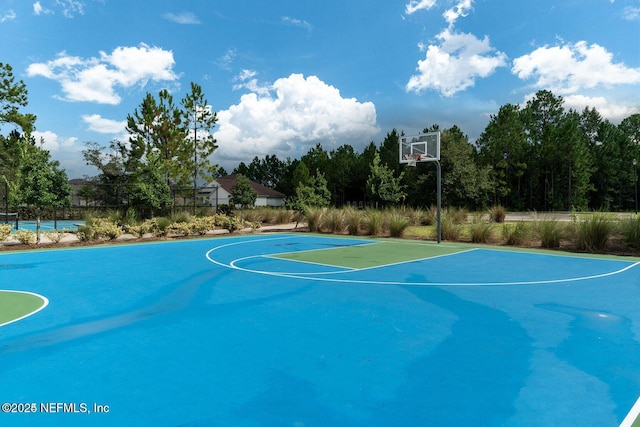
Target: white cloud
631,13
52,142
416,5
572,67
101,125
247,80
294,115
297,22
455,64
70,7
9,15
186,18
97,79
461,9
610,110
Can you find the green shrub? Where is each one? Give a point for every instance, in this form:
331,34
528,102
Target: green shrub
515,234
480,231
551,232
398,223
201,225
26,237
232,223
131,217
5,231
55,235
497,214
630,230
85,233
179,228
104,228
593,233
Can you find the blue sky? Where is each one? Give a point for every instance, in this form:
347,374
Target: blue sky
285,75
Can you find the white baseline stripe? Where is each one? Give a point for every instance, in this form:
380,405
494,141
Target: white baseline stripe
632,415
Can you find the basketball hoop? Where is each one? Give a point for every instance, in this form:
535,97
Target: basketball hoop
412,159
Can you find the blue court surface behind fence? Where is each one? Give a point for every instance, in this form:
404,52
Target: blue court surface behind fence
229,331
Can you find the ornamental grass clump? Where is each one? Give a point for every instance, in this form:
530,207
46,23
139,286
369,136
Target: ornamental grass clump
481,232
630,231
334,222
373,222
450,229
398,223
593,234
550,232
353,219
313,216
515,234
497,214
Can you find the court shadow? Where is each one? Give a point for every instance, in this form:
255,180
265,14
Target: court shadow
604,346
472,378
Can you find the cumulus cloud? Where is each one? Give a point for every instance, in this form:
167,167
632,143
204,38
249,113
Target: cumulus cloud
99,124
455,64
185,18
97,79
54,143
295,114
569,68
608,109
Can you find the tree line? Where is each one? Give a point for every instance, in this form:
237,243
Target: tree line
539,156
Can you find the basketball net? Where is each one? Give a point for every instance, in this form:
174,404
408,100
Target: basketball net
412,159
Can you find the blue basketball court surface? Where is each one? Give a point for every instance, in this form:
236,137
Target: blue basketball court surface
261,330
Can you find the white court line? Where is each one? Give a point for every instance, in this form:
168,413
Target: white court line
633,414
232,265
45,302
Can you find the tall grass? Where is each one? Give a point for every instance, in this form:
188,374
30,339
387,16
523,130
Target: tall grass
450,230
630,231
314,218
398,223
516,234
353,219
593,233
373,222
551,232
481,232
334,221
497,214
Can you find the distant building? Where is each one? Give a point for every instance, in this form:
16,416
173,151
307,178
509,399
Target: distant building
219,192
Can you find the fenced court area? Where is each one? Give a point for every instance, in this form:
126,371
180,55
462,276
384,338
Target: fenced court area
306,330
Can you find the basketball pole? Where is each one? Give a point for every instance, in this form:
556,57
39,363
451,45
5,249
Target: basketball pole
439,202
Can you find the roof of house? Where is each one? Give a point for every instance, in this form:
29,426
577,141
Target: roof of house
228,183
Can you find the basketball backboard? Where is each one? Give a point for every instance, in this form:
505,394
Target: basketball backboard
420,148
